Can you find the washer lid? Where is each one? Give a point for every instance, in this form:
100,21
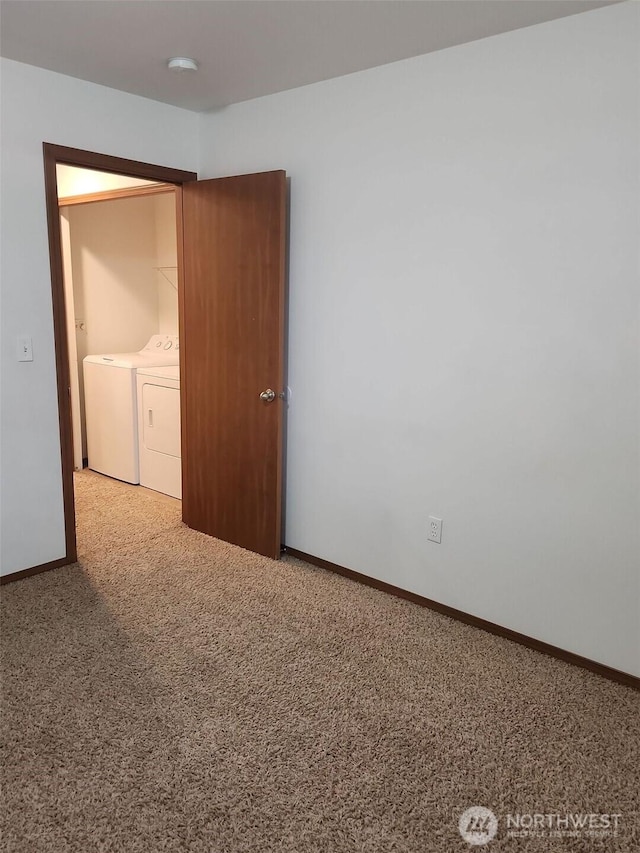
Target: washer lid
159,349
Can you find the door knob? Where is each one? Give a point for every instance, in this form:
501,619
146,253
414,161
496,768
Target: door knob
268,396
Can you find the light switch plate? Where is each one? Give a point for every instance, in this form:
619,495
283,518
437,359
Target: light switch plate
25,348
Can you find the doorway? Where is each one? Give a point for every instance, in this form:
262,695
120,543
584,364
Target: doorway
54,156
119,250
231,296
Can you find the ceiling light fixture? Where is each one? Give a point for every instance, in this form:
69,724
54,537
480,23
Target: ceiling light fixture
182,63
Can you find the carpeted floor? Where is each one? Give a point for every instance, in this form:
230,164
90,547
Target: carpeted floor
174,693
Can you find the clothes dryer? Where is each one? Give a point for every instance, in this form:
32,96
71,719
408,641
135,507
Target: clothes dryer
159,429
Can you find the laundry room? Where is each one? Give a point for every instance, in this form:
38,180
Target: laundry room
119,252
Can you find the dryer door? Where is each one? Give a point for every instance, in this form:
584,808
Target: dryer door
161,419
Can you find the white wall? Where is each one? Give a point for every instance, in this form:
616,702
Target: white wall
75,336
116,286
39,106
167,263
464,322
114,258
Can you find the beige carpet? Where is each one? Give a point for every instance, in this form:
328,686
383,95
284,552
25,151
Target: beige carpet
174,693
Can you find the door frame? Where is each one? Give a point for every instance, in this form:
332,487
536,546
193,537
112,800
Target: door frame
54,154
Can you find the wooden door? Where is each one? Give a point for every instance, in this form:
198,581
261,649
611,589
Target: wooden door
232,332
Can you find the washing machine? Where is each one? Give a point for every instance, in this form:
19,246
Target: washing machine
159,429
111,407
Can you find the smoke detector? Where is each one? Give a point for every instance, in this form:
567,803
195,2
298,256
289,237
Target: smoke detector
182,63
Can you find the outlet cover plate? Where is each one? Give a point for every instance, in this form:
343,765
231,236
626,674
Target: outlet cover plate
435,529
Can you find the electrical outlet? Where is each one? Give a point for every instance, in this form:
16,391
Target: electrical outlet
435,529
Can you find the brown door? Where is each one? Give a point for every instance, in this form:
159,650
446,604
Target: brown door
232,308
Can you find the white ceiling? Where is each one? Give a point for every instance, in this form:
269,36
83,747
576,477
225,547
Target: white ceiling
247,48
